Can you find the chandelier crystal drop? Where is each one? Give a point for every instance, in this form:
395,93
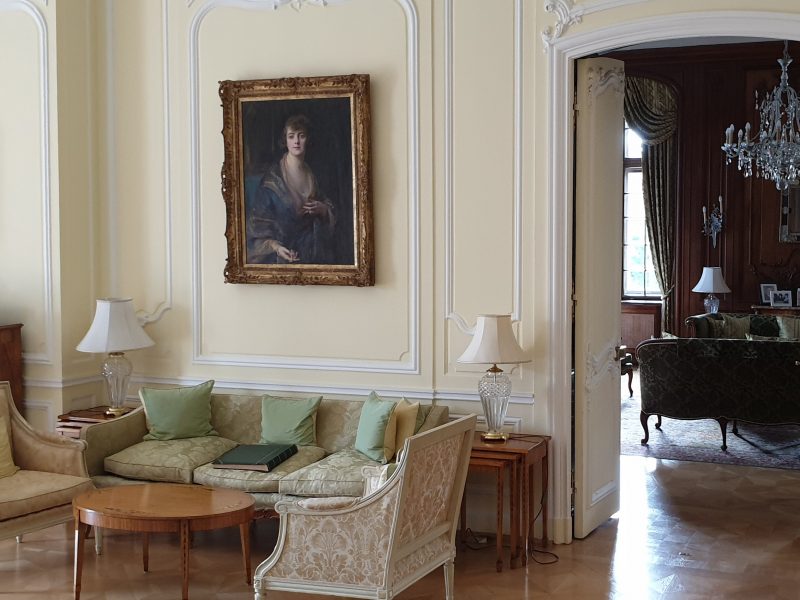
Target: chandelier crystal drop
776,148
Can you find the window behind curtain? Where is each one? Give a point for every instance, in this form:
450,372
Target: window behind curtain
638,277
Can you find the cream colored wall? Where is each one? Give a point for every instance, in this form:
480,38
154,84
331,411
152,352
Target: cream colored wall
124,117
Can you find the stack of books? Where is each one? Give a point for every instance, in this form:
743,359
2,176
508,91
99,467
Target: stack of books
71,423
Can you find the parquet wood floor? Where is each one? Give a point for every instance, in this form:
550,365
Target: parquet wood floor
685,531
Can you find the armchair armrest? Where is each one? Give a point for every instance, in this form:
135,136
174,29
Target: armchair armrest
109,437
48,452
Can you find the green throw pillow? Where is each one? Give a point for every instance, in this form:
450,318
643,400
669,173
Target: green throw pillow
377,428
178,413
288,420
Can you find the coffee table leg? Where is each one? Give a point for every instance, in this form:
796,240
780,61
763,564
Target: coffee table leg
80,535
145,551
185,558
244,533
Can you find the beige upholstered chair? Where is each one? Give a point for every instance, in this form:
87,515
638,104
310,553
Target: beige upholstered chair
376,546
52,471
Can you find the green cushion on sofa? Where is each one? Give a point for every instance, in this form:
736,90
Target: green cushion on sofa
375,437
288,420
167,460
178,413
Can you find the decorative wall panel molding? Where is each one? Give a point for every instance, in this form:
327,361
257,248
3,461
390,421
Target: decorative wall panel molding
48,330
276,4
449,200
568,14
409,361
144,316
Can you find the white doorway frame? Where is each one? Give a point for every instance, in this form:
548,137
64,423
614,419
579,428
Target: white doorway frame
561,61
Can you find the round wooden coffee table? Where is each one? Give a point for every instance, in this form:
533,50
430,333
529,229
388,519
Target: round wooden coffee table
162,507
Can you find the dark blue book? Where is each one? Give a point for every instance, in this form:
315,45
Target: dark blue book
255,457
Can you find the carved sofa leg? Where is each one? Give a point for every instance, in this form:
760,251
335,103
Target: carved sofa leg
643,416
723,425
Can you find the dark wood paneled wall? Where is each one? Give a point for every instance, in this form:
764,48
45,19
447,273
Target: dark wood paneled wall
715,87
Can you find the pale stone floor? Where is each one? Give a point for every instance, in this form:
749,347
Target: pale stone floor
685,530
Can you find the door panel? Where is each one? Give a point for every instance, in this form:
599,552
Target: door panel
598,258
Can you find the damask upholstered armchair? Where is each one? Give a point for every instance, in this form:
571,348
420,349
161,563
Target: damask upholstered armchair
378,545
40,475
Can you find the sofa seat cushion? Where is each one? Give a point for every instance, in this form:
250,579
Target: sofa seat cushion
257,481
336,475
27,492
167,460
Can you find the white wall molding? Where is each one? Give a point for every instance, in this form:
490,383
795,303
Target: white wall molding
563,53
449,200
46,357
143,316
409,362
41,406
568,14
295,4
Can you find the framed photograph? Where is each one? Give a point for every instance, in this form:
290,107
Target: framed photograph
766,288
296,181
780,298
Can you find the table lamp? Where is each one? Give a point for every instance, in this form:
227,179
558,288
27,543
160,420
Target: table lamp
494,343
711,282
115,329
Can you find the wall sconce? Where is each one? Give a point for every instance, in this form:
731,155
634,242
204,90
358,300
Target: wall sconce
713,222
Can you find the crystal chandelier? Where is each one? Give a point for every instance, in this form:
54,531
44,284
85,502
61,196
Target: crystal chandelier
776,148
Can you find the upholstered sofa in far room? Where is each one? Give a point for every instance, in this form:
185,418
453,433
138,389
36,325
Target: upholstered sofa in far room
118,455
748,370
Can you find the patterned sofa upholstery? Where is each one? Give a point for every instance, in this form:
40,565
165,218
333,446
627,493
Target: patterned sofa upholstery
757,381
116,454
738,325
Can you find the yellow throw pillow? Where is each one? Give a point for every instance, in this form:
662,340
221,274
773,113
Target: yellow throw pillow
7,466
406,414
789,327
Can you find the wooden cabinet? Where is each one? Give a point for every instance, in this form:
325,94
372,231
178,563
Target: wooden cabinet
11,361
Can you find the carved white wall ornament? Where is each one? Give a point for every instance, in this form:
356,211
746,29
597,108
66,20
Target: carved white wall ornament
567,14
598,367
601,79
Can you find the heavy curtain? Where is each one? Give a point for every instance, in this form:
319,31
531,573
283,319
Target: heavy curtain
651,110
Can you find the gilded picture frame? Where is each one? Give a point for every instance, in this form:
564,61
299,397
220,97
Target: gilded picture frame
296,181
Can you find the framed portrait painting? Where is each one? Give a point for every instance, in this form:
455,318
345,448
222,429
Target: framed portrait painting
296,181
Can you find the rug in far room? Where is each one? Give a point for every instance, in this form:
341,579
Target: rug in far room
773,446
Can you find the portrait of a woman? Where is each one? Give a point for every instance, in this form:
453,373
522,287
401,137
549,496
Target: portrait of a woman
288,218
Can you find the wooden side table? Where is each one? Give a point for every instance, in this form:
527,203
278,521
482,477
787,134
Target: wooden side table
522,455
70,424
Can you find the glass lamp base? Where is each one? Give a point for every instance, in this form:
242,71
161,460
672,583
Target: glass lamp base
117,370
495,390
711,304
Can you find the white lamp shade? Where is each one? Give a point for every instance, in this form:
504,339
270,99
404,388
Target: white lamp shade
711,282
114,328
493,343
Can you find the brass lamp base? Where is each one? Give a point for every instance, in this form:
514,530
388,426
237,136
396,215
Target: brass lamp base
494,436
116,411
